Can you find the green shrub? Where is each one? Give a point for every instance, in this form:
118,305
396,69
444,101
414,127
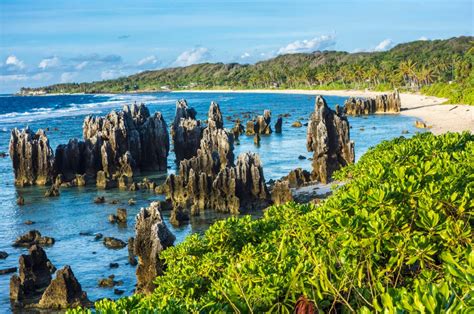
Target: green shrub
396,237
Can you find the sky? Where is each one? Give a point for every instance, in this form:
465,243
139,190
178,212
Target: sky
45,42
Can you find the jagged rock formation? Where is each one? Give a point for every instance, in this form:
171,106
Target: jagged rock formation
151,237
278,125
32,157
261,125
380,104
211,181
298,177
131,255
186,131
33,237
281,192
328,137
34,275
64,292
115,148
238,129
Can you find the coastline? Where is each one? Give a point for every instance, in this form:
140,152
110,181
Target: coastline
439,117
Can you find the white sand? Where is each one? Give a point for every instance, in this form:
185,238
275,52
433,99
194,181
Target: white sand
439,117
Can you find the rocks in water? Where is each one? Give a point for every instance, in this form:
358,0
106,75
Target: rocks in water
131,255
297,124
98,236
3,255
119,291
32,157
114,265
261,125
33,237
114,148
99,200
256,139
114,243
301,157
29,222
420,124
34,276
279,124
186,131
53,191
380,104
109,282
64,292
120,217
151,237
238,129
214,115
20,201
9,270
179,216
281,192
131,202
329,139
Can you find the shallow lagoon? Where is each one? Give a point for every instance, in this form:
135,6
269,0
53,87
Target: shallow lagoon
74,211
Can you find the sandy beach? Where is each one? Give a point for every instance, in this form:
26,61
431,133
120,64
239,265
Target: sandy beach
437,115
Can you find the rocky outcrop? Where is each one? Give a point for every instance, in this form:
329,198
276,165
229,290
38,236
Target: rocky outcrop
281,192
238,129
151,237
261,125
64,292
33,237
131,255
114,149
298,177
114,243
278,125
387,103
186,131
32,157
329,139
34,276
210,180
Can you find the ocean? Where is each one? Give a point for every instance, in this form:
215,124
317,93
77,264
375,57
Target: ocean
64,217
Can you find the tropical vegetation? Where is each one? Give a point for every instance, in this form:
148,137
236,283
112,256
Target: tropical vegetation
396,238
441,68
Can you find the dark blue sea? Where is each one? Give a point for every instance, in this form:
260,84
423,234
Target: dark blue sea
74,211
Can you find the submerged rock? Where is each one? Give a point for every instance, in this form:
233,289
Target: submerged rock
33,237
3,255
53,191
20,201
329,139
9,270
64,292
151,237
114,243
32,157
380,104
297,124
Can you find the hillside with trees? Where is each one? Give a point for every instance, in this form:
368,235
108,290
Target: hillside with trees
441,68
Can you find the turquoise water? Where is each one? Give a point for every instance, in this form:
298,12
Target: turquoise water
74,211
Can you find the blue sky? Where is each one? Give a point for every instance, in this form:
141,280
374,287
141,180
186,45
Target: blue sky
44,42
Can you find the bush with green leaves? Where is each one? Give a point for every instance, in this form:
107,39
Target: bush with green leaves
396,238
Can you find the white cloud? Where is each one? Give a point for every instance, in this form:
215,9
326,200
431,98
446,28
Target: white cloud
192,56
14,61
423,38
111,74
148,60
13,78
47,63
384,45
245,55
68,77
81,65
309,45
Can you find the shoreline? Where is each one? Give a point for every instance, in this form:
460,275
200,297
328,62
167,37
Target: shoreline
439,117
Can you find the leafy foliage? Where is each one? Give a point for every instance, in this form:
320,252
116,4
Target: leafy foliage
409,66
397,236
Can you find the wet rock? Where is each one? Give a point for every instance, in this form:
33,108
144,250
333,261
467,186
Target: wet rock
329,139
261,125
151,237
131,202
64,292
3,255
114,243
405,132
33,237
99,200
3,155
238,129
131,255
278,125
256,139
250,128
113,265
98,236
9,270
297,124
301,157
186,131
120,217
29,222
32,157
109,282
34,276
179,216
20,201
380,104
281,192
119,291
420,124
53,191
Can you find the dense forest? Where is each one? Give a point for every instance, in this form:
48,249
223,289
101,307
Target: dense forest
441,68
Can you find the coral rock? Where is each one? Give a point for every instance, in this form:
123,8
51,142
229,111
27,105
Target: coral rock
380,104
